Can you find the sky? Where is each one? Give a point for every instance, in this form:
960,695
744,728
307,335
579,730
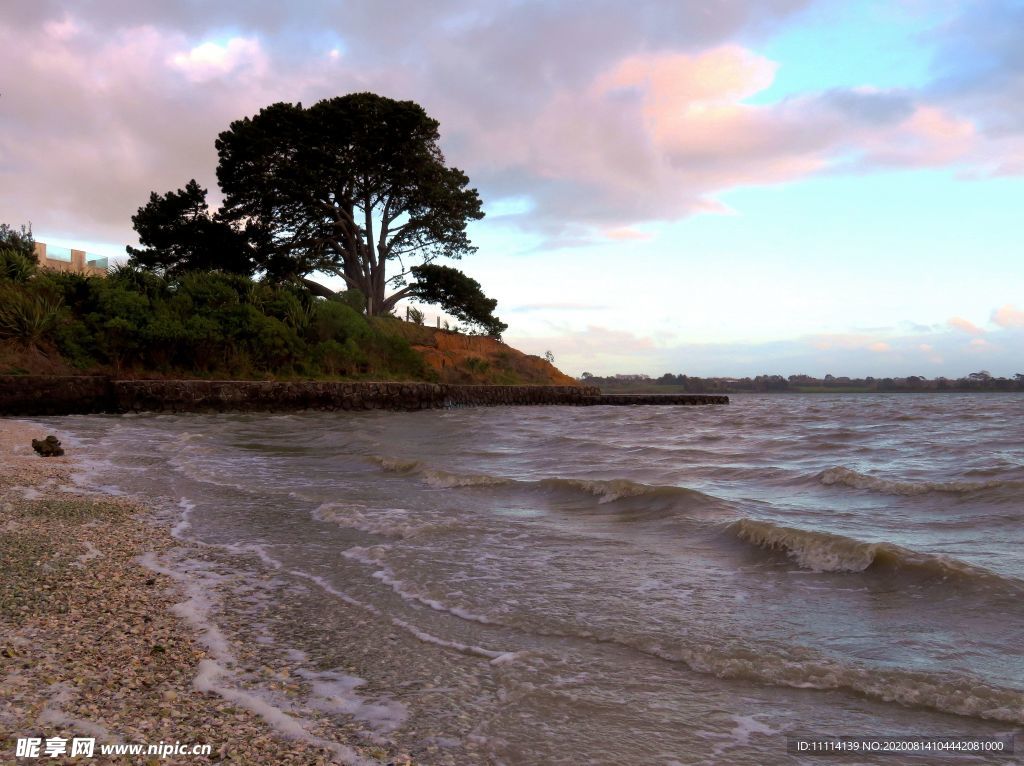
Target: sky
711,188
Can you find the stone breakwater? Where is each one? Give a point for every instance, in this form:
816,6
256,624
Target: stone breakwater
50,395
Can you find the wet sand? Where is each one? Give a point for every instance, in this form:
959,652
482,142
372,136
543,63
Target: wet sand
95,643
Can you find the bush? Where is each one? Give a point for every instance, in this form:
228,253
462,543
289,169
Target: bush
194,323
15,266
28,314
338,321
20,241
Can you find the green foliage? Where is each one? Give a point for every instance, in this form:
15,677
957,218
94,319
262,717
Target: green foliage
180,234
353,298
335,320
199,323
28,314
17,254
457,294
19,240
15,266
346,186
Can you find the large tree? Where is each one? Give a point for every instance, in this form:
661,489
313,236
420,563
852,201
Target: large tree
355,186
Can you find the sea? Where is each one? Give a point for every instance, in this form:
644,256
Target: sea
601,585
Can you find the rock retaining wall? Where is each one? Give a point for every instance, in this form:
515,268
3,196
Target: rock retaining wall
47,395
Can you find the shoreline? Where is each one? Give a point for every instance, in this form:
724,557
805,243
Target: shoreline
96,638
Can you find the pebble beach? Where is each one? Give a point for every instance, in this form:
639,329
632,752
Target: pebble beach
94,642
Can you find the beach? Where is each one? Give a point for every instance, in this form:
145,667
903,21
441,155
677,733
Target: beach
95,641
524,586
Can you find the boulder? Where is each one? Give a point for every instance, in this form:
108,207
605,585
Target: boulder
48,447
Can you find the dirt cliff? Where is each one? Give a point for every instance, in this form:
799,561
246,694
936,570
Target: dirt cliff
480,360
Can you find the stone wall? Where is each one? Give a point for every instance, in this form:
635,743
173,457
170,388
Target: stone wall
55,395
49,395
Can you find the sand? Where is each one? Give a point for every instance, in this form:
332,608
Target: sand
90,646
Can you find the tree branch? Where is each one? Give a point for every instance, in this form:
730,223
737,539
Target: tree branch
317,289
394,298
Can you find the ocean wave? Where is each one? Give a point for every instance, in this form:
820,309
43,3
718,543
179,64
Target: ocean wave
390,522
945,692
802,668
850,478
446,480
605,490
611,490
828,552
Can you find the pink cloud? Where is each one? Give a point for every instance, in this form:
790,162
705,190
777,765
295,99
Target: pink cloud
1008,316
656,136
963,325
626,233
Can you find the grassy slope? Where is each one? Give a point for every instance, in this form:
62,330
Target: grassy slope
476,359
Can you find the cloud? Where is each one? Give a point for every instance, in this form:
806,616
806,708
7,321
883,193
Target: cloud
963,325
594,120
94,119
979,71
1008,316
530,307
577,349
210,59
626,233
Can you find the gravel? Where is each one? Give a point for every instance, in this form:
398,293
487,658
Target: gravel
89,645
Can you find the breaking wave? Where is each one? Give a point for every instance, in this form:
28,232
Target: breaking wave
827,552
947,692
850,478
606,491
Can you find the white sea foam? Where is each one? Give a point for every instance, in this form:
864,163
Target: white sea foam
414,594
184,522
388,522
446,480
335,692
54,715
470,649
214,673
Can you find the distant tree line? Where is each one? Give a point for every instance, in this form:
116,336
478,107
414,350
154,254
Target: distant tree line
975,381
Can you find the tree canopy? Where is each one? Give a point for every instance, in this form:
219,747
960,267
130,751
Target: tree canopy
457,294
181,235
355,186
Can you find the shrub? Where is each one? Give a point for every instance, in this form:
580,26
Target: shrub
16,266
334,320
19,240
27,314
